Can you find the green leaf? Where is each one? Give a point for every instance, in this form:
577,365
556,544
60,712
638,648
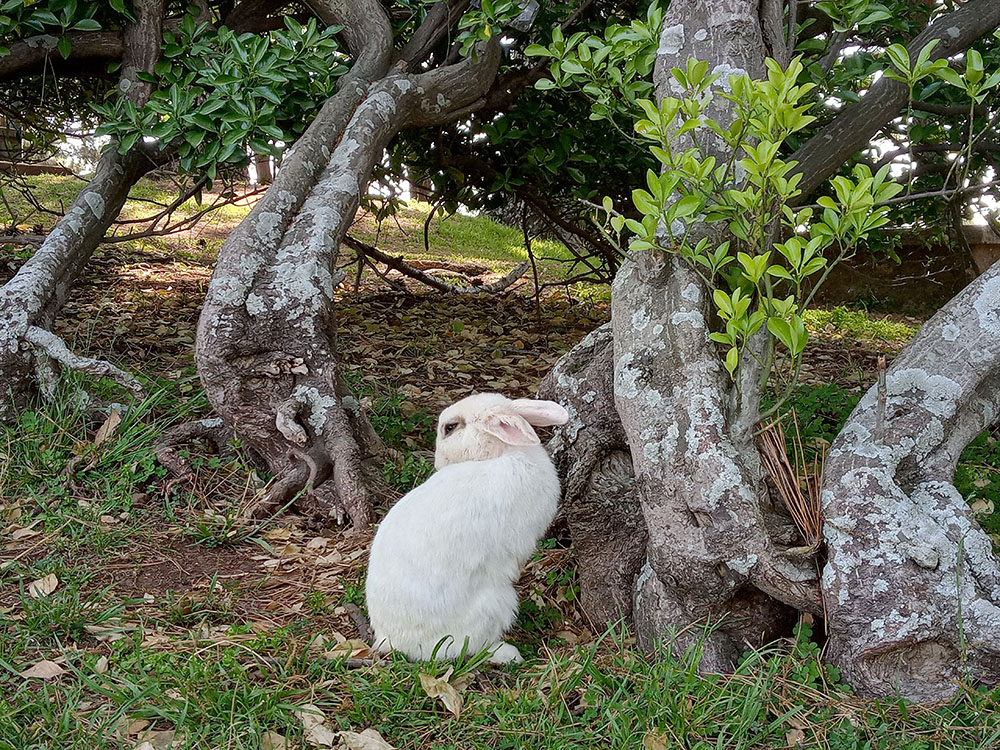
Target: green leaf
781,330
87,24
732,360
537,50
65,46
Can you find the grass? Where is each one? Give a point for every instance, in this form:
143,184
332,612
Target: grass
859,324
228,653
229,690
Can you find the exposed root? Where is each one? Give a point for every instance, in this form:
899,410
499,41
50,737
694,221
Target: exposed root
360,622
167,447
50,346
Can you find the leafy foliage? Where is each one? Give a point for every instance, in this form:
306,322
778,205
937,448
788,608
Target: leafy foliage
219,94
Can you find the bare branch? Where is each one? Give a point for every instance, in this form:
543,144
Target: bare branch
398,264
90,55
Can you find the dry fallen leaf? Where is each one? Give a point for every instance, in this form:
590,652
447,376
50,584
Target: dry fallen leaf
983,506
273,741
654,739
102,665
44,670
449,692
164,739
108,428
43,586
369,739
314,727
795,738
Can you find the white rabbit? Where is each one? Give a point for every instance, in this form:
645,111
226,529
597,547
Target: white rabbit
446,556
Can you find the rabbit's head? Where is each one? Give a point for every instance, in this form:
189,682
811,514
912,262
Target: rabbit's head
486,425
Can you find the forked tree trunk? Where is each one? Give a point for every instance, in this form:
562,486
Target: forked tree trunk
266,351
30,301
664,489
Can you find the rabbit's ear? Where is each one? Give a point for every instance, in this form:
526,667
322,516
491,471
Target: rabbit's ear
539,413
510,428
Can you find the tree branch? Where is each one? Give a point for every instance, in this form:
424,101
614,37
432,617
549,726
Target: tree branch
91,53
398,264
440,19
852,130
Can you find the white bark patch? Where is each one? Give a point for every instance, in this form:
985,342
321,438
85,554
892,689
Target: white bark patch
701,35
255,304
953,32
950,332
694,318
671,40
691,293
626,377
640,320
661,450
96,203
742,565
987,306
644,575
725,71
318,404
351,405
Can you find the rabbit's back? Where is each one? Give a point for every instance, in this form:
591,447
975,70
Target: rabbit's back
446,556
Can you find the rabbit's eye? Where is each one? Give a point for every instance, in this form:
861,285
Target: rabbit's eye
450,428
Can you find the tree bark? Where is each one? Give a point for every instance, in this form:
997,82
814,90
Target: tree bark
912,584
30,301
664,490
265,349
710,544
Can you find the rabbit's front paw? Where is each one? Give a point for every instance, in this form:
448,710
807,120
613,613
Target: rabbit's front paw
506,654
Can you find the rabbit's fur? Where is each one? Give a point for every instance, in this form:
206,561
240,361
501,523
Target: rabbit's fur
445,559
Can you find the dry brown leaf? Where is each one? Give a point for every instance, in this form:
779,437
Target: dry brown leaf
277,534
442,689
795,738
43,586
44,670
109,427
654,739
101,666
26,531
314,727
273,741
353,647
369,739
983,506
164,739
136,726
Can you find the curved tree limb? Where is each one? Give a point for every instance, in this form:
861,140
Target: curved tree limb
91,53
912,585
55,348
31,299
851,130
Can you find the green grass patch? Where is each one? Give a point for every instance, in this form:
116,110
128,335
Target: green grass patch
607,695
858,324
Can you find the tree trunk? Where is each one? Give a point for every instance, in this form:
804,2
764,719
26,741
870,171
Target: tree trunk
912,584
664,490
266,351
262,165
30,301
